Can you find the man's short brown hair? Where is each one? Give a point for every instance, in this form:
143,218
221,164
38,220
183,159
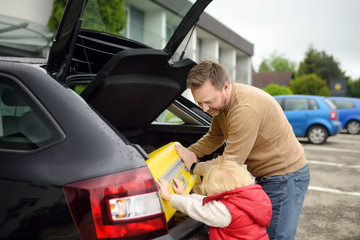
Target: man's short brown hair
207,70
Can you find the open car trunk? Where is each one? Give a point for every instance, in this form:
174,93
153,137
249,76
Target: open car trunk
135,86
130,83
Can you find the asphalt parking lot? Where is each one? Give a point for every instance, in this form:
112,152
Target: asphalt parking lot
332,204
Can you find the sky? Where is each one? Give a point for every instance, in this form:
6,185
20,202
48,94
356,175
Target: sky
289,27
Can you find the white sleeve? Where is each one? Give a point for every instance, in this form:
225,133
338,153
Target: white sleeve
214,213
197,196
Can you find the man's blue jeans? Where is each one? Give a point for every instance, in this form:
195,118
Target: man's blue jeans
287,194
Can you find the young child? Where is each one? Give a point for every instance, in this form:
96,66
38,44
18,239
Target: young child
234,208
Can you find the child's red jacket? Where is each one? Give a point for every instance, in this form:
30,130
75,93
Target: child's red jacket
251,212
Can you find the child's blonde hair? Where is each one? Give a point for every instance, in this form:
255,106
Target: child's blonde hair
225,176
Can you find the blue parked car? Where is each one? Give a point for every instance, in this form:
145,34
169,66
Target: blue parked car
349,113
314,117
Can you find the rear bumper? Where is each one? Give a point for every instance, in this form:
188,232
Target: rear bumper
188,229
335,127
165,237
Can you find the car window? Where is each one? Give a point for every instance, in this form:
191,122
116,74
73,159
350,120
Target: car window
23,125
168,117
295,104
280,101
313,105
330,103
343,104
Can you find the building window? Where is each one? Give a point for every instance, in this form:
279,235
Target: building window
125,31
170,29
136,24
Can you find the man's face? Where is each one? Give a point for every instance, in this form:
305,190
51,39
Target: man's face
210,99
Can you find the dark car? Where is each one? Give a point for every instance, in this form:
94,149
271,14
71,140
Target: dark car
314,117
68,159
349,113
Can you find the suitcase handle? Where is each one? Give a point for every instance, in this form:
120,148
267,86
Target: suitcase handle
182,179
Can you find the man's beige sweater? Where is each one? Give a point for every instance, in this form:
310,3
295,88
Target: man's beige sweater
257,134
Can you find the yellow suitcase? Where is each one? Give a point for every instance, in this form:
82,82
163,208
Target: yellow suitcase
165,162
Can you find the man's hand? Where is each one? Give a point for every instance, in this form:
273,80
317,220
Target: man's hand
186,155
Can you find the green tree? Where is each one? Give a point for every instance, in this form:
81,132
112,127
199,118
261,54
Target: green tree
110,13
275,89
322,64
277,63
309,84
56,14
99,13
353,88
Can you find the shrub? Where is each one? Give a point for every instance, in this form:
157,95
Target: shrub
309,84
275,89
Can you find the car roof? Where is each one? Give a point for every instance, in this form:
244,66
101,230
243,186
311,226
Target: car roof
345,98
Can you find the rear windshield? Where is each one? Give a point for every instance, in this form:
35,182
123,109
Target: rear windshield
330,103
343,104
139,20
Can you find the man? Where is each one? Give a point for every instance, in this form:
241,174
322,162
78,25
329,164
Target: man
257,134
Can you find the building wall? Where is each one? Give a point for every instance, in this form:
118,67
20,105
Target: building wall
243,69
227,58
234,52
203,45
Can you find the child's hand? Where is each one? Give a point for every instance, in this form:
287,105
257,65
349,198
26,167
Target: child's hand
164,188
179,187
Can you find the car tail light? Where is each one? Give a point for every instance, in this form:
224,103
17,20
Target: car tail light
332,115
122,205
